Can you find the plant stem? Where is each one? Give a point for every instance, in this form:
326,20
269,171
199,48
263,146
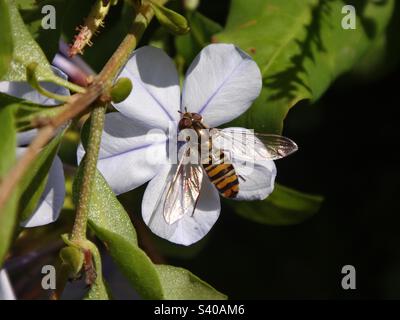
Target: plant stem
78,103
64,83
89,171
110,70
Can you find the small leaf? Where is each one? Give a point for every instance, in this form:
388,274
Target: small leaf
34,182
8,214
170,19
26,50
284,206
121,90
26,112
6,47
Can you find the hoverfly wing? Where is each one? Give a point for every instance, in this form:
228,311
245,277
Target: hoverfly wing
245,144
180,192
183,193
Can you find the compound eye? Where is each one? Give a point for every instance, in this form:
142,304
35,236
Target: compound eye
184,123
196,117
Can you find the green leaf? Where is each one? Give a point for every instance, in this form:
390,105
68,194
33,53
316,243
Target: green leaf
8,214
6,48
31,12
34,181
201,31
384,54
98,290
180,284
26,112
300,47
133,262
26,50
284,206
112,225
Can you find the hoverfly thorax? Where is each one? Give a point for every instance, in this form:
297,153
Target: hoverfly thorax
190,120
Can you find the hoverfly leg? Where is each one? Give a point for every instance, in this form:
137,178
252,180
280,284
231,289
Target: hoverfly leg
242,178
195,205
179,111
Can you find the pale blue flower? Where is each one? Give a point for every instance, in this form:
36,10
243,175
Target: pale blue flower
221,84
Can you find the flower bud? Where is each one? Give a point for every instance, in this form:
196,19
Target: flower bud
121,90
73,257
172,20
191,5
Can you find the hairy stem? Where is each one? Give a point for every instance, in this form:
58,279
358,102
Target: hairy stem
78,104
89,171
110,70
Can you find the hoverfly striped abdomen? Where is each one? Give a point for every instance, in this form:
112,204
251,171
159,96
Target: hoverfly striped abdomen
221,174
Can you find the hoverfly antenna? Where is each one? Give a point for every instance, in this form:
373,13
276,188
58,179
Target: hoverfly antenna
179,111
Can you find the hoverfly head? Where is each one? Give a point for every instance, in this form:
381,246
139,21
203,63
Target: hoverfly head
188,119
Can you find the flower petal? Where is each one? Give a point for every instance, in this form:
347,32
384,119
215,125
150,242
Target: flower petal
6,290
52,199
155,97
26,137
23,90
130,154
221,83
190,228
256,180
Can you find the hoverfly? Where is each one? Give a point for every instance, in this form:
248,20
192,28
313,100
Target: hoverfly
183,185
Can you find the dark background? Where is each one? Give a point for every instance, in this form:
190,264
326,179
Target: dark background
349,143
349,154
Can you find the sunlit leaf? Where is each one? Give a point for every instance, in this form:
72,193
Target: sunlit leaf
300,47
31,12
26,50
